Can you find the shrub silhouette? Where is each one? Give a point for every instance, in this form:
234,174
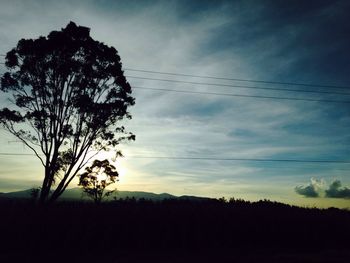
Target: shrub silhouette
97,177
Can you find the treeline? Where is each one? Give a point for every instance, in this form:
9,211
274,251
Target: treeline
170,225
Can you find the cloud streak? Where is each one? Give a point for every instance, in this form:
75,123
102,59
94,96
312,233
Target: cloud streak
243,39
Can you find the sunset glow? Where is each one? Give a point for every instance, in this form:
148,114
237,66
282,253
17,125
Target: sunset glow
244,99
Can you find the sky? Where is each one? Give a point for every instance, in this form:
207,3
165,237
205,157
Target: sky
279,41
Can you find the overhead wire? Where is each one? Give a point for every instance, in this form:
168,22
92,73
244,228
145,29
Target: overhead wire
233,79
241,79
244,87
242,95
250,96
238,86
240,159
213,158
232,95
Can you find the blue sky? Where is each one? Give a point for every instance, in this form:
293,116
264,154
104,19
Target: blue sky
287,41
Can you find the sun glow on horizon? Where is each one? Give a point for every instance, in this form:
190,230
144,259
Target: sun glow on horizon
118,162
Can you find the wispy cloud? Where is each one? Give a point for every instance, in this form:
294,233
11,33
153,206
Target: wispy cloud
242,39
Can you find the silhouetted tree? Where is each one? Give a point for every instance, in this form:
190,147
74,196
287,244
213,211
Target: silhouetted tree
96,178
70,94
34,193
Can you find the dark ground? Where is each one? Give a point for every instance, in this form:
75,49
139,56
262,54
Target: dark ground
172,231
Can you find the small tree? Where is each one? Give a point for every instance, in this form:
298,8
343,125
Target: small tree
69,93
34,193
96,178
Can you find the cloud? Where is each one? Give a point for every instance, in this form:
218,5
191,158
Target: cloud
335,190
316,188
310,190
241,39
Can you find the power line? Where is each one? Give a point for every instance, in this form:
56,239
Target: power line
239,79
214,159
240,95
240,86
239,159
234,79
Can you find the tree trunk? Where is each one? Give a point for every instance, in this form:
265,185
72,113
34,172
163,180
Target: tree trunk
45,189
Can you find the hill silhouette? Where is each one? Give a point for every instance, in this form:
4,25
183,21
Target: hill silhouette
76,194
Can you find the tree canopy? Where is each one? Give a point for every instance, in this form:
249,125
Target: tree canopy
97,178
69,96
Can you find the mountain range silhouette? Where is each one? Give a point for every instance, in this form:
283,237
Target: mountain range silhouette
76,194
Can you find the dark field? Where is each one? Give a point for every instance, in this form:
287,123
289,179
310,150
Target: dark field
172,231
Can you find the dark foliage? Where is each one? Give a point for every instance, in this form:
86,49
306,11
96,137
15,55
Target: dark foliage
69,94
94,187
177,231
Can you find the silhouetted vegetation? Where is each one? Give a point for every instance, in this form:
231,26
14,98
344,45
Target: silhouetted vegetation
70,94
96,178
177,230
